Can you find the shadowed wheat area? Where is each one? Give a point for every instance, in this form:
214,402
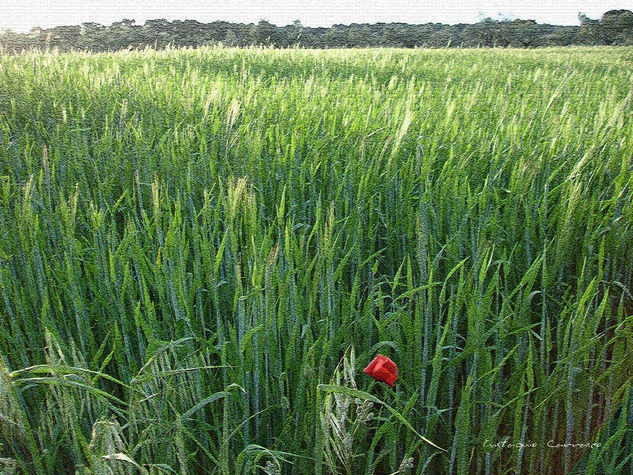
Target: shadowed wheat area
200,250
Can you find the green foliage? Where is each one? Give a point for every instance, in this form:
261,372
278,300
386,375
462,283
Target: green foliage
199,247
615,27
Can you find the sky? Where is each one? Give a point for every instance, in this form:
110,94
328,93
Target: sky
22,15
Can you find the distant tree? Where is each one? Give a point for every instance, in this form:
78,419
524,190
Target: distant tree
617,27
12,41
265,33
124,34
90,28
37,38
294,33
557,36
439,36
63,38
525,33
230,39
124,24
481,33
336,37
313,37
363,35
395,35
92,36
590,31
157,32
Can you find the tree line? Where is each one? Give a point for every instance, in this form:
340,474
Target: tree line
615,27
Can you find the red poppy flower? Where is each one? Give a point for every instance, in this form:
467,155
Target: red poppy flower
383,369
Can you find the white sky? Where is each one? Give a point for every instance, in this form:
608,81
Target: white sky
21,15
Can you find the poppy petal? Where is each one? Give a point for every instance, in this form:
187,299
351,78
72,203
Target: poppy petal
371,366
383,369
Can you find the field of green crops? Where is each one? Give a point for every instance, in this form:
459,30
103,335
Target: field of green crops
200,251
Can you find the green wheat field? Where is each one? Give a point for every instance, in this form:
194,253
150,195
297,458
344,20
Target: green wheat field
200,251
